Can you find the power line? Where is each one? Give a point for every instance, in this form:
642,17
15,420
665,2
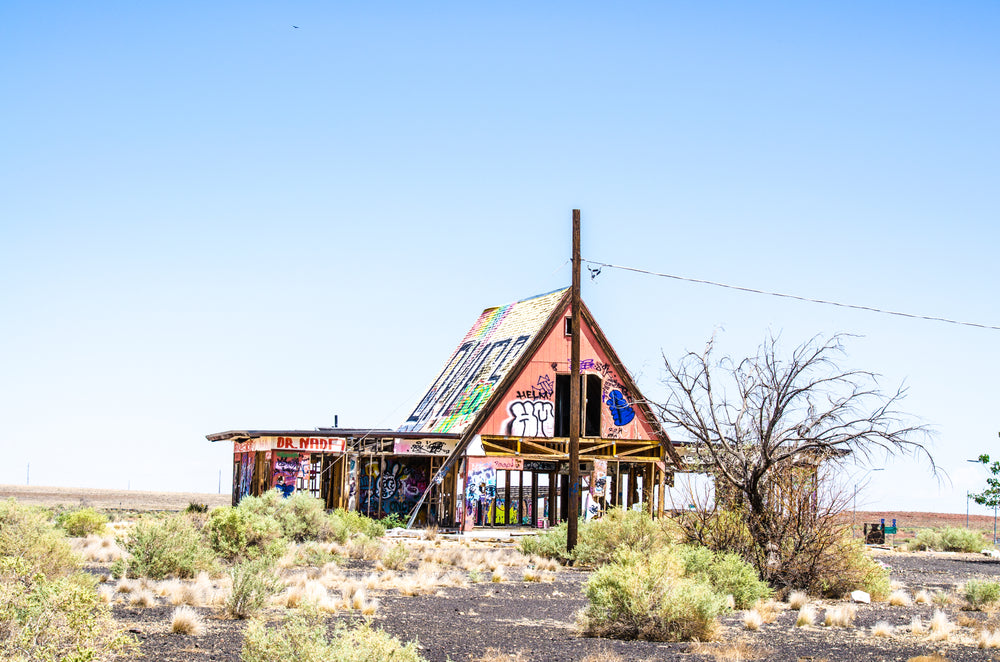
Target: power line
870,309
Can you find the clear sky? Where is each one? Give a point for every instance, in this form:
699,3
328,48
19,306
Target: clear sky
212,220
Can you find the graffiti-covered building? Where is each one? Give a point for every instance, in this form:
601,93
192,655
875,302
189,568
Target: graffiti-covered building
488,443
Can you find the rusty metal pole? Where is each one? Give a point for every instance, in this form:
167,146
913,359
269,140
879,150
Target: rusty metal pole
574,394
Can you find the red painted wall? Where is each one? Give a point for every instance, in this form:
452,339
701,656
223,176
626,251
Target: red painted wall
528,408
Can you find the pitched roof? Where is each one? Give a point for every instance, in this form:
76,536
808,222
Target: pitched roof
483,358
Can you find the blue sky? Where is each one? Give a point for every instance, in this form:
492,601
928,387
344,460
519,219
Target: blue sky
210,219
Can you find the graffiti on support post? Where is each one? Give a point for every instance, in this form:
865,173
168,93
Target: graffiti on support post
530,418
481,487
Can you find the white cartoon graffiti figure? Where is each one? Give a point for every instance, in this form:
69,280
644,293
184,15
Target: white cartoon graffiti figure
531,418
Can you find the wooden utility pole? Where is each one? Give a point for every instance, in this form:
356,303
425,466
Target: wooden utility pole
574,394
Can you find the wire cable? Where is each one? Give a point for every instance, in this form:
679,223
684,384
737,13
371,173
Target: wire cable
751,290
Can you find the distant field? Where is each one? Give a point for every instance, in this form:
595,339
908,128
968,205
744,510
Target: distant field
908,522
135,500
110,499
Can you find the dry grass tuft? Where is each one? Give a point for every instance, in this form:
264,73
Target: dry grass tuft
940,626
882,629
734,651
933,657
840,617
797,599
97,549
106,594
806,617
126,586
923,597
768,610
498,575
941,598
186,620
752,620
495,655
142,598
900,599
917,626
988,639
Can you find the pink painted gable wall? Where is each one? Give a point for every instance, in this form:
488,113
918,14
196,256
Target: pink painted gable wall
528,408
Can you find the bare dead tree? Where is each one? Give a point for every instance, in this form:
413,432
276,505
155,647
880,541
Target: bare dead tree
764,425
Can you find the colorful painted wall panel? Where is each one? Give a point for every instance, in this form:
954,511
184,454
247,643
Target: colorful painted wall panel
393,488
528,409
487,352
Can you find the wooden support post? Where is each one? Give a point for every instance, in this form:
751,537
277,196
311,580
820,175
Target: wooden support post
553,498
535,515
661,497
575,413
647,488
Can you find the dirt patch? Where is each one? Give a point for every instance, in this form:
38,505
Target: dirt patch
110,500
536,620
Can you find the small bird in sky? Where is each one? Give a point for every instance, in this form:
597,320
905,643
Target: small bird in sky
296,27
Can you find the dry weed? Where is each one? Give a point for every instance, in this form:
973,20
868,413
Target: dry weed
923,597
917,626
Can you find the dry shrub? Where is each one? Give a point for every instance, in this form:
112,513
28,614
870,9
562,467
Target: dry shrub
841,616
917,626
642,596
882,629
806,617
303,635
186,620
498,575
59,618
923,597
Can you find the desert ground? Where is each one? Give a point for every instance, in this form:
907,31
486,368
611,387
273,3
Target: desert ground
483,615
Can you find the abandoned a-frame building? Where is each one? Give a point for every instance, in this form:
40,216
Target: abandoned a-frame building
487,445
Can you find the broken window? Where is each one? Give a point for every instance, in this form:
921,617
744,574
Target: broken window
590,396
